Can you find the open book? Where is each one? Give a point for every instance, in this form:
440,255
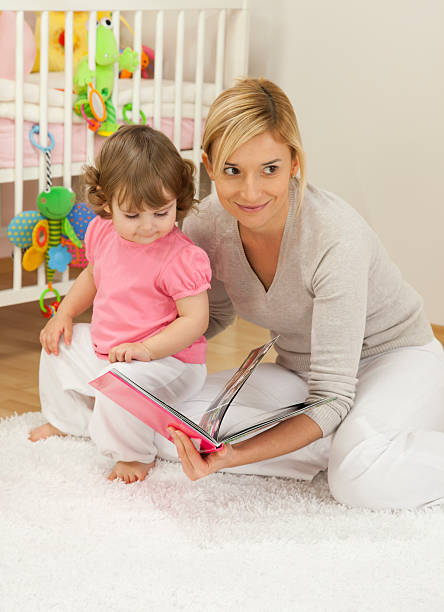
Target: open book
207,431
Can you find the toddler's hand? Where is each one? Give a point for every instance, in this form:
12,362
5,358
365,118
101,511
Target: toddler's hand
50,335
129,351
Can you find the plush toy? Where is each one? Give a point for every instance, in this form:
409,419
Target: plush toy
7,46
94,104
56,40
146,65
40,231
52,233
79,217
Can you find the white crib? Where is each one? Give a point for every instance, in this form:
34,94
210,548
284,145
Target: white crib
200,47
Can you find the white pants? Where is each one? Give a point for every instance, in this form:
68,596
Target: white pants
388,452
68,400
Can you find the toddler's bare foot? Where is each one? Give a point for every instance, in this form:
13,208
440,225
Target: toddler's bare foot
130,471
44,431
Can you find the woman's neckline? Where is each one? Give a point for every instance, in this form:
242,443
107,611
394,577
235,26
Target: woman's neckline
292,192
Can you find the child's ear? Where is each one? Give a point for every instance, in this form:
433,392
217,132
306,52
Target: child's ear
107,208
208,166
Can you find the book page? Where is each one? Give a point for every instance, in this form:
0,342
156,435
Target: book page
212,417
256,419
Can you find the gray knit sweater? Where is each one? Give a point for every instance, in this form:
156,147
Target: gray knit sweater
336,296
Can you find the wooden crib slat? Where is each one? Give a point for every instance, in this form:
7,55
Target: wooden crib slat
180,37
43,115
220,56
115,94
18,178
198,96
158,69
236,47
137,74
92,66
67,130
19,64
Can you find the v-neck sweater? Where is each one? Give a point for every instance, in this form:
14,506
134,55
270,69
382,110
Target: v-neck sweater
336,296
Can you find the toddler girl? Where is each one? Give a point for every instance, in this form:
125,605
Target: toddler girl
147,282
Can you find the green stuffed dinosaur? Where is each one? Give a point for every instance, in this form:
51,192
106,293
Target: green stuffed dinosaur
107,54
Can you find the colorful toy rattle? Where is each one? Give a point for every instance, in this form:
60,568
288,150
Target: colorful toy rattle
40,232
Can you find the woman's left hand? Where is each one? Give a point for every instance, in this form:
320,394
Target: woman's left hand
194,464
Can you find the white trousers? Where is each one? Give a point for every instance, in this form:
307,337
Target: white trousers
69,403
388,452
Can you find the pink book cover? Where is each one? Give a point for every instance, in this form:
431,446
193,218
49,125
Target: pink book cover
150,410
207,434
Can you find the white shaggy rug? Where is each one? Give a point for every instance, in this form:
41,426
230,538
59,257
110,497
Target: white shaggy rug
72,541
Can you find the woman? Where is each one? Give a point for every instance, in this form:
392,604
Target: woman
302,263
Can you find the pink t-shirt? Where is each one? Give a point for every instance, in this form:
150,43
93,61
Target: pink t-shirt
137,285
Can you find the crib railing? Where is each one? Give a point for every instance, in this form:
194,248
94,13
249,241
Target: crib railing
230,42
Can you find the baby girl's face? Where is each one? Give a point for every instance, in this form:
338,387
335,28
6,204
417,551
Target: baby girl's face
146,226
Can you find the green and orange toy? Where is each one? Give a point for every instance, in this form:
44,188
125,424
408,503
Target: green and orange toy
94,102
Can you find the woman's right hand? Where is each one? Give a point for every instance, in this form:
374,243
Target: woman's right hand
50,335
195,465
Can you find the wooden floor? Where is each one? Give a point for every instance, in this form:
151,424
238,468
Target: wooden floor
20,326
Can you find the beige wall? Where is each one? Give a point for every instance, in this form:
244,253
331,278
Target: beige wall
367,83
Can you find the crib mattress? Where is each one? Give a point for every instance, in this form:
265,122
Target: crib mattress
56,100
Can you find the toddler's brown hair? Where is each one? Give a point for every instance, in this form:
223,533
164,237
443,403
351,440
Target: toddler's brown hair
139,167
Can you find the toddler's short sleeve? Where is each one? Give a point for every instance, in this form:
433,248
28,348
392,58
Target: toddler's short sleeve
187,274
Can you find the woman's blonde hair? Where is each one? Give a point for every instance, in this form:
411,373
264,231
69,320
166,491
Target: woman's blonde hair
249,108
139,167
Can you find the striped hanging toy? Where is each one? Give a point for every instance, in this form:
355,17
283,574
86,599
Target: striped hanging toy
40,232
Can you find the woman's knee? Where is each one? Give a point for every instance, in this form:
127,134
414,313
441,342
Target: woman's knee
356,456
372,474
348,490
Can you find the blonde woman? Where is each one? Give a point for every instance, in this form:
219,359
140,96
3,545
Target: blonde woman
301,262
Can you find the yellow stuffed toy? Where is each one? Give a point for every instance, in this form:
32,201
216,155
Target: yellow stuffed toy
56,39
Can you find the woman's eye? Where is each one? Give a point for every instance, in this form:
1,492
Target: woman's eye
270,169
231,171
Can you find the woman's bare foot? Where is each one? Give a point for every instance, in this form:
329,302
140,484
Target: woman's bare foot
130,471
45,431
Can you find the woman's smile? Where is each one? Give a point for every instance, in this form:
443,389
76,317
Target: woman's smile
251,209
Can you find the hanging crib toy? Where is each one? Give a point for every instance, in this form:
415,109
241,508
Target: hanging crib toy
42,232
94,103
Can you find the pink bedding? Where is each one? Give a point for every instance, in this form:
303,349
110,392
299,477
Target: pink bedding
78,146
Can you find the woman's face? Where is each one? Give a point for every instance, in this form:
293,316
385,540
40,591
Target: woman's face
253,186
